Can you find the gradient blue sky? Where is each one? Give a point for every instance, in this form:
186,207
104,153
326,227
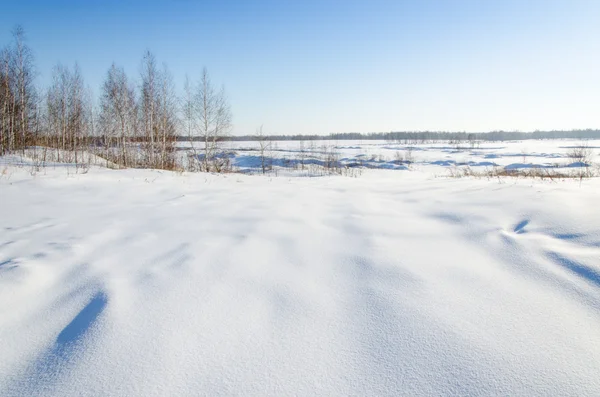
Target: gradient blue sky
339,66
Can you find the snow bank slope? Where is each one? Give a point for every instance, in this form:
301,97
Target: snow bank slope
145,283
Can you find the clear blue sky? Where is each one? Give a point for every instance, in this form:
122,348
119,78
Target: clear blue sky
320,66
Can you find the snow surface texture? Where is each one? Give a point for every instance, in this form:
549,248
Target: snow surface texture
147,283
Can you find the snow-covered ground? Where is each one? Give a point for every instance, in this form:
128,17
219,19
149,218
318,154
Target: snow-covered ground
394,282
432,158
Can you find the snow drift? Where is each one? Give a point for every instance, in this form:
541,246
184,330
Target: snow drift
148,283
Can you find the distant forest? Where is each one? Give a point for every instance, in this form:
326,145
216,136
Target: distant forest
427,136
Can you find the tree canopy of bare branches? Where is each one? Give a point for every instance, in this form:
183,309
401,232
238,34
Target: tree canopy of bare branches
17,94
137,123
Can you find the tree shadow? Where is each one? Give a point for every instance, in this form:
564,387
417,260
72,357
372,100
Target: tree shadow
80,325
583,271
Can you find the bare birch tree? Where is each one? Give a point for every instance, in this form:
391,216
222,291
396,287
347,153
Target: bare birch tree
264,150
214,122
149,103
190,121
24,89
118,114
302,155
167,119
7,101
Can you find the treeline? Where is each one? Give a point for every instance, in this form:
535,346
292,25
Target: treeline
430,136
136,123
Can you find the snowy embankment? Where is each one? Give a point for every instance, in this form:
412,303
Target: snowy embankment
143,283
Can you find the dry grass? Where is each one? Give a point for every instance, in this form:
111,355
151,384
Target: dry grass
546,173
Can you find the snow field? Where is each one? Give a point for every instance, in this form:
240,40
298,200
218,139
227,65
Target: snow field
138,282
